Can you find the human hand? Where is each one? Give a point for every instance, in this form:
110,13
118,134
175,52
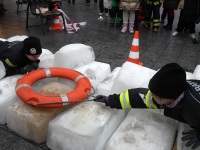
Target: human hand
25,69
35,64
193,137
101,99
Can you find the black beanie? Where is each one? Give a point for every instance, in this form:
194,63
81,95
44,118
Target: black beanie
32,46
169,82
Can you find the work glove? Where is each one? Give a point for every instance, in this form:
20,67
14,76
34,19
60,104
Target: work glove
25,69
35,64
101,99
193,136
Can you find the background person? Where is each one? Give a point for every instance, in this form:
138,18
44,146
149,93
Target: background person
168,90
20,57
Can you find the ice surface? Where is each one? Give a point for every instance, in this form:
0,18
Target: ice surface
105,86
7,95
32,122
1,39
180,143
86,126
132,76
95,72
17,38
74,55
144,130
2,70
47,62
196,72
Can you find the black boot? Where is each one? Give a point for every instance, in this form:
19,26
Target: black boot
68,1
73,1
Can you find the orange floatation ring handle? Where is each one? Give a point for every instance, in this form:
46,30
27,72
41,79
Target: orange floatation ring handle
24,91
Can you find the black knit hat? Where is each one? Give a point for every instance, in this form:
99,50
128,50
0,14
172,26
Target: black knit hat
32,46
169,82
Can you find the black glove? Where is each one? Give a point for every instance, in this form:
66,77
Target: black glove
35,64
193,136
101,99
25,69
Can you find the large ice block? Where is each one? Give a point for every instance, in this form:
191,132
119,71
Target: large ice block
32,122
196,72
95,72
17,38
131,76
105,86
47,62
7,95
189,76
144,130
86,126
2,70
74,55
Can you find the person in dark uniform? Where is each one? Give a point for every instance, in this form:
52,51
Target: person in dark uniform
169,90
20,57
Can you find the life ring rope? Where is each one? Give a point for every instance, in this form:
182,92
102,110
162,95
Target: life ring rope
26,93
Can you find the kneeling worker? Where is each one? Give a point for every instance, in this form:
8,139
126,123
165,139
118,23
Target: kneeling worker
168,90
20,57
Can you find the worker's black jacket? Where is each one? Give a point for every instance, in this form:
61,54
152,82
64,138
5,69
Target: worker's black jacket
12,56
186,111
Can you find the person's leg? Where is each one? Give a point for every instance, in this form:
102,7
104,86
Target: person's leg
125,21
170,19
148,13
181,24
191,27
164,14
156,17
113,12
87,2
131,21
101,8
118,19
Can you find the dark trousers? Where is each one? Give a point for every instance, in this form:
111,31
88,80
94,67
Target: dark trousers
115,15
155,9
182,24
101,7
88,1
170,15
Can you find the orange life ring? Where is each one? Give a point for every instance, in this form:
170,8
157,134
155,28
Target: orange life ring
25,92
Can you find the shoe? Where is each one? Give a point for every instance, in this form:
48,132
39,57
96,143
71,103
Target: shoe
131,25
168,27
106,14
87,4
100,14
73,1
124,27
192,35
95,1
118,25
68,1
175,33
146,26
111,25
155,30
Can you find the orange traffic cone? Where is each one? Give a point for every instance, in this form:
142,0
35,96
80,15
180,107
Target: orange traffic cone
134,51
56,24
